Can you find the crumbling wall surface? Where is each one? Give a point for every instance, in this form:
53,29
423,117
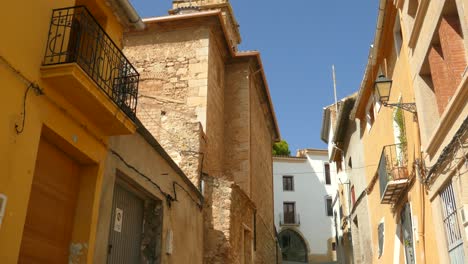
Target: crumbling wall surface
242,226
237,125
262,173
173,67
217,215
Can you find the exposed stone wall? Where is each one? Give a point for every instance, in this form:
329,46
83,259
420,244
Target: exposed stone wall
242,226
262,174
199,109
217,214
215,109
237,126
173,85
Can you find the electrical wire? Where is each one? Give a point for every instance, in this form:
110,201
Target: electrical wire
321,172
169,198
20,130
30,85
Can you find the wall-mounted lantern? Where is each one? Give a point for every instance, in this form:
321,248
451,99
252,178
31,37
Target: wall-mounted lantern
383,87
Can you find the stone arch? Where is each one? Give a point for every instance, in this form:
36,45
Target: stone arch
293,245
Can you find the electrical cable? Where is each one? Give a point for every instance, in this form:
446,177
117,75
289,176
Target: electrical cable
169,198
19,131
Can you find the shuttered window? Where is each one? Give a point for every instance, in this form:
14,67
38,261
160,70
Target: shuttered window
327,174
329,206
381,232
451,225
288,183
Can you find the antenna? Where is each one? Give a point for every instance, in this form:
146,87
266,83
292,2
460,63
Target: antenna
334,87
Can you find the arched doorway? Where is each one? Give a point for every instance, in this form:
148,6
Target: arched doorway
293,247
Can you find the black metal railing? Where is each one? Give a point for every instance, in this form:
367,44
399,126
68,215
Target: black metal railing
76,36
393,165
289,219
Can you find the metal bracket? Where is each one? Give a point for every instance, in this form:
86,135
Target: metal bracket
410,107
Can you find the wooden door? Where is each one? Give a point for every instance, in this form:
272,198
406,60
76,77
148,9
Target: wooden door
49,220
289,213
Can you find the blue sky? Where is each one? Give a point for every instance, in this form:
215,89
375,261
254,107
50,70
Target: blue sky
299,41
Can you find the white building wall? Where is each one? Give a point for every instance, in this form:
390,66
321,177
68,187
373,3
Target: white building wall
310,192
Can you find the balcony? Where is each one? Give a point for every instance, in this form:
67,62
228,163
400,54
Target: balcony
289,219
88,69
393,173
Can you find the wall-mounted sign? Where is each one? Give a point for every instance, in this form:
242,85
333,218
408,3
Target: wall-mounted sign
118,220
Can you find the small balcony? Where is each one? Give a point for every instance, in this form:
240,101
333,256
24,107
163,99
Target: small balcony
88,69
289,219
393,173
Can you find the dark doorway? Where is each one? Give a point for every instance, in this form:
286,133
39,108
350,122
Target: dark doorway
293,247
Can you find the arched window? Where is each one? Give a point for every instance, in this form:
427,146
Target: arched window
293,247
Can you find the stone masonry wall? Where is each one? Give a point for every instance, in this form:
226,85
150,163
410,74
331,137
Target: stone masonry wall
262,174
204,111
172,94
242,226
237,126
215,110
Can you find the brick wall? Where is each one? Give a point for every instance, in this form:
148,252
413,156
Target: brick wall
447,60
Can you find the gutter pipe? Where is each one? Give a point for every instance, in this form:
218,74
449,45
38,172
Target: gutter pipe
131,13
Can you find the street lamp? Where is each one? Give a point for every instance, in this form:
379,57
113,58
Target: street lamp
383,87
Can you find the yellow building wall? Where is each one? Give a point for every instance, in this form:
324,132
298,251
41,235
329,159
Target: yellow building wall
396,67
24,26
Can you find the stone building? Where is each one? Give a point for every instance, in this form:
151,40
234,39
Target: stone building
209,106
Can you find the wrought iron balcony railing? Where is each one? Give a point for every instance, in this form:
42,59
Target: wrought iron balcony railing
393,172
76,36
289,219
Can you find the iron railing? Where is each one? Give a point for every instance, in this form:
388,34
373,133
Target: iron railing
393,165
76,36
289,219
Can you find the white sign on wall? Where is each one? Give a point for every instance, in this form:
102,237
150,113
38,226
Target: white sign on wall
118,220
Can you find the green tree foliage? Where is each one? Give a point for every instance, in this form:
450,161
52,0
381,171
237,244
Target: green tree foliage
281,148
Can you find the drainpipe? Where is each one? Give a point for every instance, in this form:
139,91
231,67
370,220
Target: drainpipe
131,13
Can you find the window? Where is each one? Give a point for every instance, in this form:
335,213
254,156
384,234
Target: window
289,212
333,246
288,183
381,233
413,8
397,35
452,227
350,162
407,230
338,166
329,206
327,174
370,115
